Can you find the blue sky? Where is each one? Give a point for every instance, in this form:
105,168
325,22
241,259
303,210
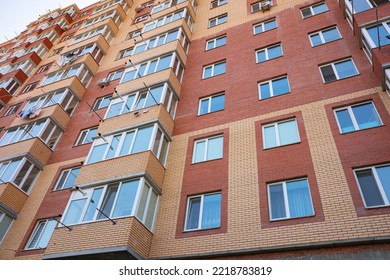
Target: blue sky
15,15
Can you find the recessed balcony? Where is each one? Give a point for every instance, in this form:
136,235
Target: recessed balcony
12,198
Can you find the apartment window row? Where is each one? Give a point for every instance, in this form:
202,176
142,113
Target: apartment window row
92,49
46,129
65,98
102,102
161,94
218,20
314,10
67,178
168,19
20,172
217,3
155,65
157,41
138,140
112,14
81,71
109,5
86,136
103,30
10,85
216,42
214,69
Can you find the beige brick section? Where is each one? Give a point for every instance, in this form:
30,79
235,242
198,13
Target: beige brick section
126,231
122,166
244,224
12,196
129,119
33,146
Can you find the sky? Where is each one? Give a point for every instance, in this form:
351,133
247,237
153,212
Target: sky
15,15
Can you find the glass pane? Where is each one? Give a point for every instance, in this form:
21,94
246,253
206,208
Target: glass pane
306,12
125,201
280,86
207,72
328,74
4,225
345,121
97,153
154,96
71,178
93,204
193,213
265,91
217,103
115,109
275,51
299,199
151,209
142,202
384,177
261,57
9,171
46,235
113,147
331,34
91,133
270,25
221,41
211,216
258,29
23,171
360,5
270,137
220,68
127,143
215,148
210,45
142,139
383,35
288,132
199,151
141,101
345,69
129,76
108,202
315,40
157,142
74,212
129,104
320,8
105,102
37,233
30,179
142,68
172,36
366,116
277,207
369,188
164,63
140,48
204,106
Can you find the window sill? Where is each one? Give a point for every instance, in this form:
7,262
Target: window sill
199,230
291,144
213,76
364,129
211,160
291,219
326,43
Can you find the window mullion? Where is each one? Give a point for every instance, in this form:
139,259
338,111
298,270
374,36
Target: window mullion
115,200
335,71
26,176
322,37
286,200
354,121
17,169
146,204
138,195
120,144
206,146
133,140
201,212
277,134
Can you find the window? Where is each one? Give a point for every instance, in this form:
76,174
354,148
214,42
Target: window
67,37
203,212
269,53
168,19
133,34
357,117
21,172
314,10
44,68
338,70
5,224
359,5
125,53
371,34
123,199
80,71
67,178
102,102
255,7
218,3
211,104
208,149
115,75
214,69
374,185
12,110
273,88
289,199
280,133
216,42
86,136
41,234
57,51
264,26
138,140
218,20
141,18
324,36
160,7
30,87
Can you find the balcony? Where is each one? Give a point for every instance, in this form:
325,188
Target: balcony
107,22
4,96
136,117
34,147
18,74
173,8
73,83
122,167
98,39
31,56
55,112
12,198
165,28
166,75
87,59
127,239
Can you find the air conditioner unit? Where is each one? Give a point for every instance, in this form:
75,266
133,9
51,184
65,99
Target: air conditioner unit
103,82
138,9
266,5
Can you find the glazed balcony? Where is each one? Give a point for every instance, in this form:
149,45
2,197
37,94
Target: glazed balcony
120,167
135,117
55,112
127,239
173,8
19,74
98,39
107,22
30,56
12,198
4,96
86,59
118,8
33,146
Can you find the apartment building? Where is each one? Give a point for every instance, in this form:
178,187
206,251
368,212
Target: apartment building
197,129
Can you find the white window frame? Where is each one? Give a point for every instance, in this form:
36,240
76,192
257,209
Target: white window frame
266,50
335,70
367,36
2,216
271,87
212,66
352,115
113,74
217,3
57,186
201,208
312,10
161,6
322,36
12,109
377,181
262,24
277,133
98,102
218,20
214,41
285,196
141,18
81,139
206,140
40,236
210,98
